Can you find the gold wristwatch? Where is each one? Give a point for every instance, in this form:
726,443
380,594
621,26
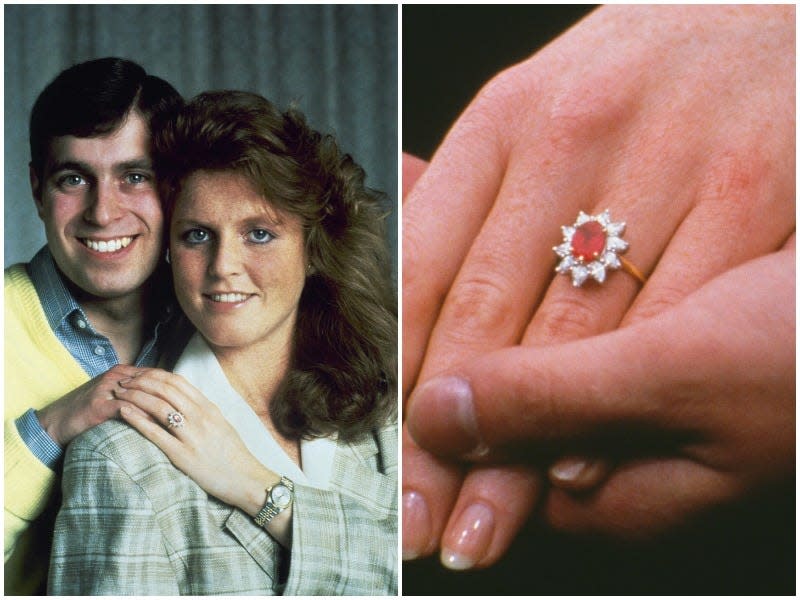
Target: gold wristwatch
279,498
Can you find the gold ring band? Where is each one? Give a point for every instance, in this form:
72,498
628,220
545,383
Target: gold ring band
631,269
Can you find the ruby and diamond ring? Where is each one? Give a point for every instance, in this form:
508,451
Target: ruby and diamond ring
176,419
592,247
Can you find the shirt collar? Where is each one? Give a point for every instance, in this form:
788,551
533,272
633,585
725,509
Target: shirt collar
57,301
201,368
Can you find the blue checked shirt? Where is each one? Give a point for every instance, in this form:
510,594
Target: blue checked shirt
92,350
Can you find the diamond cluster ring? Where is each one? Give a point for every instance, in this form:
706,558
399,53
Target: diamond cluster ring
176,419
591,247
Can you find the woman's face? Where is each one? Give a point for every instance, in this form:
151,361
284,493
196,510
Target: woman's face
239,265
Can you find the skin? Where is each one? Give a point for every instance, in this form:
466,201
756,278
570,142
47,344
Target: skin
101,189
628,111
239,268
718,397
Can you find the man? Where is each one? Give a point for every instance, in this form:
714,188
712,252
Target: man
92,305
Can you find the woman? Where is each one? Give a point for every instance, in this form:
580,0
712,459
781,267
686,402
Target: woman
273,463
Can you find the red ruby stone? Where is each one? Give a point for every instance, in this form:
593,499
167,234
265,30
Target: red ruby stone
588,241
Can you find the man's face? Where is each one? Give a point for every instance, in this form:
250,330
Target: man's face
97,198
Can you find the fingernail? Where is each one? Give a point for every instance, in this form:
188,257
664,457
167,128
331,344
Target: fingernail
568,469
465,544
442,414
124,381
416,525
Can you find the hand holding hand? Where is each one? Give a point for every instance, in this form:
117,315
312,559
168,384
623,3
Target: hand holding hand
679,120
696,404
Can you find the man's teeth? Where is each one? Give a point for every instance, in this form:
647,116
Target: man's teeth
229,297
108,245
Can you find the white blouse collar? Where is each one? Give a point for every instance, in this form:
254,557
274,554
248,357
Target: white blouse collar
200,367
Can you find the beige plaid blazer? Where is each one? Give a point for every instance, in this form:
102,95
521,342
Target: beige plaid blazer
133,524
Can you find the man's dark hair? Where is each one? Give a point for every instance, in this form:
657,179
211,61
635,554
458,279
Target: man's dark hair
93,98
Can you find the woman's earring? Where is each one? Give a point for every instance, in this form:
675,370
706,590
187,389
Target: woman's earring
167,256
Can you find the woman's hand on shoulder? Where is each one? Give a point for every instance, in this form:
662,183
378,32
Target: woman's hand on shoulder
194,434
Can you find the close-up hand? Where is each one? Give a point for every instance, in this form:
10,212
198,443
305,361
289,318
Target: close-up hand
680,122
696,405
84,407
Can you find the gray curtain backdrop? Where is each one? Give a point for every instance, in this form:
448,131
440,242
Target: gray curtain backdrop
337,63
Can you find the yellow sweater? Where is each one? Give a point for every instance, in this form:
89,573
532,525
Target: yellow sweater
38,371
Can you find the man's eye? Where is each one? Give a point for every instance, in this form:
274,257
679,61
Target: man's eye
196,236
260,236
70,180
137,178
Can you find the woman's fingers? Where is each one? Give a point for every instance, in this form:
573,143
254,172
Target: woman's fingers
493,505
156,408
162,391
152,430
438,232
430,487
441,217
167,398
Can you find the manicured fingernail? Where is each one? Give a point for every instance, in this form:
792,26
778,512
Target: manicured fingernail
568,469
416,525
465,544
442,416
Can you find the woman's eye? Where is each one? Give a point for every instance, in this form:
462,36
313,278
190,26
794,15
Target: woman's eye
196,236
259,236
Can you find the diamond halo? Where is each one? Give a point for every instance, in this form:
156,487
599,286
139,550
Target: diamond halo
176,419
590,247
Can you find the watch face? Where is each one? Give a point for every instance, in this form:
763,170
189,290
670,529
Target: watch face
281,496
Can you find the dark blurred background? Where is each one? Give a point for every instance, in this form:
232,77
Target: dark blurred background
747,549
450,51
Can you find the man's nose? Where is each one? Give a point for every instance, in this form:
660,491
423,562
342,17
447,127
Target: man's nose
104,204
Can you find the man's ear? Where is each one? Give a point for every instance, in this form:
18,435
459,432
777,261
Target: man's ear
36,189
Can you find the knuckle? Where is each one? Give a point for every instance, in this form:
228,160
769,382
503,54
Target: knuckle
479,304
580,113
566,317
175,377
733,178
507,89
502,107
665,297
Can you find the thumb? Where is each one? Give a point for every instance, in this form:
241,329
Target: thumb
541,396
598,392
